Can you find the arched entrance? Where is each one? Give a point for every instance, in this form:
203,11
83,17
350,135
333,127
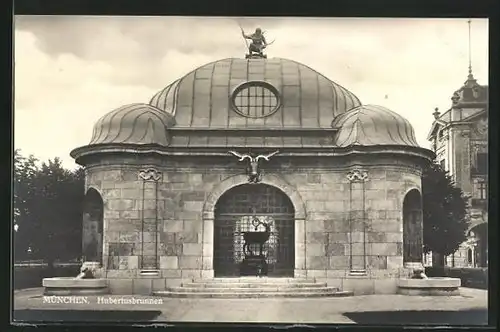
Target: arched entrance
412,227
249,208
479,234
93,211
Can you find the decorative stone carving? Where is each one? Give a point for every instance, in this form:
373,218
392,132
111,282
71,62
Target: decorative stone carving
482,126
475,92
415,270
150,174
357,175
90,270
253,170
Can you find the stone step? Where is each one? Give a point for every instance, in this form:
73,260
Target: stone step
242,295
252,290
255,280
252,285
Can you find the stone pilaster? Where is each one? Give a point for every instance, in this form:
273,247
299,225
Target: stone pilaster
357,221
465,171
149,261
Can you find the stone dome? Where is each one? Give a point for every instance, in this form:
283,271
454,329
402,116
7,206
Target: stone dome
371,125
254,93
133,124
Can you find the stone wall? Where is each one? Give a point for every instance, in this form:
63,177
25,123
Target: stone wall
355,225
345,223
169,240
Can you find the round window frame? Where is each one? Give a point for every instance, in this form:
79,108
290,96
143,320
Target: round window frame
249,84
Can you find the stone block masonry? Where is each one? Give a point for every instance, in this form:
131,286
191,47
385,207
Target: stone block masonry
349,219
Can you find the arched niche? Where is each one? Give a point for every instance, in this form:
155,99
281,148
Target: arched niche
412,227
93,213
480,234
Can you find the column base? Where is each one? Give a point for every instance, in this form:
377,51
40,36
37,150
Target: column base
299,273
207,274
357,272
149,273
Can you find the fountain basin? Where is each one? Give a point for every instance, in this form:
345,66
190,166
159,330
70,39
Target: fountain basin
73,286
435,286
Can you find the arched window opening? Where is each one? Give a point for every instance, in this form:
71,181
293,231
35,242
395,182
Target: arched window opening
469,256
93,212
412,227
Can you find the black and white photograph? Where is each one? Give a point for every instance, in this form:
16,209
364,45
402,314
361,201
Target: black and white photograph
286,170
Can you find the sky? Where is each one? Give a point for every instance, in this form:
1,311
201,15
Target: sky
70,71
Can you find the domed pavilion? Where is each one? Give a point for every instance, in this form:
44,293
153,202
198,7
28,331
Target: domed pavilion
249,167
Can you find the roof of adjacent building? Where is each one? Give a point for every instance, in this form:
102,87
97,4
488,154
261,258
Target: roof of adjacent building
201,99
370,125
467,103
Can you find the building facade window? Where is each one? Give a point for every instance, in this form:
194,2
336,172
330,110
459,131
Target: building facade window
481,166
255,99
441,134
442,163
483,190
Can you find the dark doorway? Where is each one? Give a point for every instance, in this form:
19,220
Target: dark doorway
481,252
412,227
93,211
249,208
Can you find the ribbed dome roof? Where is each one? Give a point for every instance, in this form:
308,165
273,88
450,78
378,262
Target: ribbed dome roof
133,124
202,98
373,125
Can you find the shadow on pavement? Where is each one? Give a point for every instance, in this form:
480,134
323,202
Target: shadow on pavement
464,317
84,315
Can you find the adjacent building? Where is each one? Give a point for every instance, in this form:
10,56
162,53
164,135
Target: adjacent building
459,138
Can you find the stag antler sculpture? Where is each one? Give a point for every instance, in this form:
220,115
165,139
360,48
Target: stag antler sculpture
254,175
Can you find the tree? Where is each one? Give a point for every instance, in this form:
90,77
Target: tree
61,195
445,216
25,171
48,208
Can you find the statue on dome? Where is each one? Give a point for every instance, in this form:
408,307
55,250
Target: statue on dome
258,43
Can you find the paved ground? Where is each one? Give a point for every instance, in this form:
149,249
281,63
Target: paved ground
470,308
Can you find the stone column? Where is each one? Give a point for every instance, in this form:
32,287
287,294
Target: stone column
149,214
357,221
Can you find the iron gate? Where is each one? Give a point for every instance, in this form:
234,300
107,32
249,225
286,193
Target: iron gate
249,208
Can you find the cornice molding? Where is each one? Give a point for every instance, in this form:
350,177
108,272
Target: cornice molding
339,170
404,151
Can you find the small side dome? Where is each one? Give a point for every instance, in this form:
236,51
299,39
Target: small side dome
371,125
133,124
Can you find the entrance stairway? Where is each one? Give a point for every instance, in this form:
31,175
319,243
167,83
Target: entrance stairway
252,287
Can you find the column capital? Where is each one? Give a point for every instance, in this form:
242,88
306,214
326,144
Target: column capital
150,174
357,175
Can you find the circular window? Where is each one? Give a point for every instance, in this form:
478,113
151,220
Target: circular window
255,99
